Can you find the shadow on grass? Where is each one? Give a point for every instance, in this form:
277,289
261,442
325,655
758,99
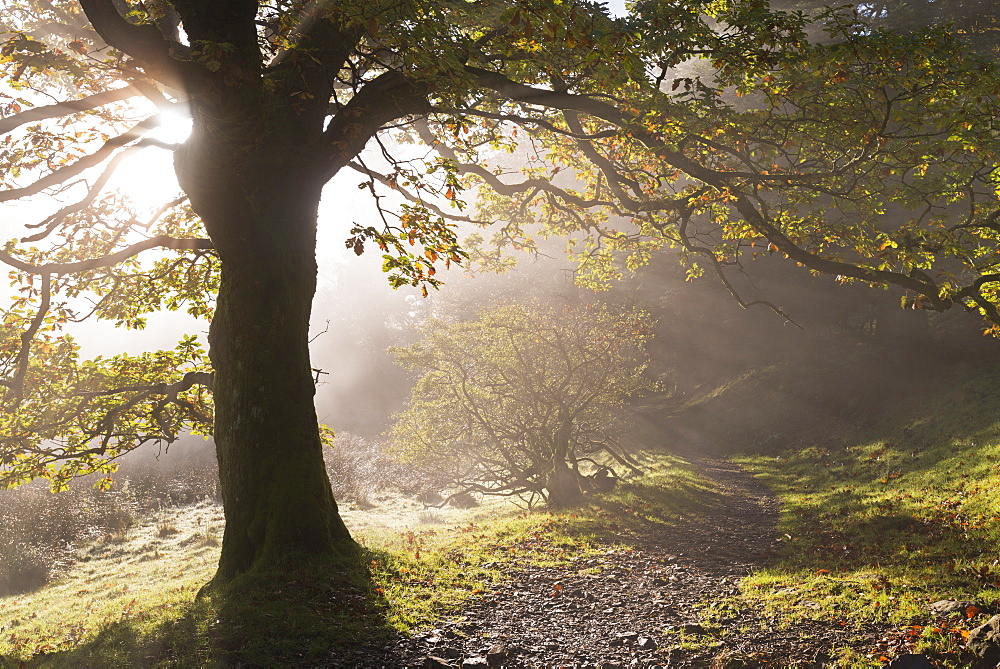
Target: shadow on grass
672,491
311,612
306,612
915,494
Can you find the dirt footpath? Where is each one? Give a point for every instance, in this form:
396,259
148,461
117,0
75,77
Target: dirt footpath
640,606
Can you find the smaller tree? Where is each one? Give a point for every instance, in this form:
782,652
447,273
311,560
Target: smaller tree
524,400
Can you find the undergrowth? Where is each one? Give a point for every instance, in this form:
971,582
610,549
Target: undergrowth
41,531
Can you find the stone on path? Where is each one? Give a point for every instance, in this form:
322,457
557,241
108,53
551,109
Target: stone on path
984,641
497,655
951,606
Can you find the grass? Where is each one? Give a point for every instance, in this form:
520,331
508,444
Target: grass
905,513
898,514
117,600
131,599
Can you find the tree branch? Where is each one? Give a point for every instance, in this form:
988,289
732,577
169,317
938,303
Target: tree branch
145,43
407,195
53,221
527,185
162,241
69,171
386,98
15,389
68,108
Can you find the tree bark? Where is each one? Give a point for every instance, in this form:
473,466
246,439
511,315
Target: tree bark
261,215
562,483
274,485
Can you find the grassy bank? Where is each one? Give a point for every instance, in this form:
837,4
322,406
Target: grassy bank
901,514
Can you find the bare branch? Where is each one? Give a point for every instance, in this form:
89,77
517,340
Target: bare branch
53,221
389,183
164,209
720,272
319,334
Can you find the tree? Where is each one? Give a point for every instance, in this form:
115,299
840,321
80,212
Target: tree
525,399
976,21
283,95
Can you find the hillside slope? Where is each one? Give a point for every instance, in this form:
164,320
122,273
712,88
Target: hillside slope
890,500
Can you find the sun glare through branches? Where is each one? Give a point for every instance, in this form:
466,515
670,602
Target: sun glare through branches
147,177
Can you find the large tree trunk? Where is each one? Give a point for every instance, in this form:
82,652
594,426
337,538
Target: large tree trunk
275,489
276,494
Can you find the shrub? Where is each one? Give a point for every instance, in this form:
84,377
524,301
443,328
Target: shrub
358,467
40,530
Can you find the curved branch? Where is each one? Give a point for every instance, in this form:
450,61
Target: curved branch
169,390
53,221
189,380
541,123
162,241
16,385
629,122
407,195
723,180
68,108
974,293
835,267
145,43
424,131
720,272
616,183
96,158
388,97
548,98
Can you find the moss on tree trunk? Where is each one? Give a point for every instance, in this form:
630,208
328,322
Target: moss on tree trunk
275,490
260,210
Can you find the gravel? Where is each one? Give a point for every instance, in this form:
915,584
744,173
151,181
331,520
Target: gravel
633,606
